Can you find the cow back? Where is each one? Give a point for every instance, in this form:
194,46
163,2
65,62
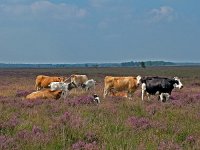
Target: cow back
120,83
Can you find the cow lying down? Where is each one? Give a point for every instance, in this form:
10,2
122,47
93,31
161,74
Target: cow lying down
162,86
45,94
64,87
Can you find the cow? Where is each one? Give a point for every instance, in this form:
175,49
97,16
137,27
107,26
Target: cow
127,84
88,84
64,87
45,94
78,79
161,85
43,81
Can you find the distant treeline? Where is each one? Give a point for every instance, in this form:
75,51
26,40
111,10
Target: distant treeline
96,65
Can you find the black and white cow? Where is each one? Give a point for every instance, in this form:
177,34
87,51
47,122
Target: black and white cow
88,84
64,87
162,86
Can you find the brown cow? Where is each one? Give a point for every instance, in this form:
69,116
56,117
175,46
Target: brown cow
45,94
78,79
128,84
43,81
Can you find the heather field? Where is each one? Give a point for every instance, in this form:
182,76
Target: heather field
115,124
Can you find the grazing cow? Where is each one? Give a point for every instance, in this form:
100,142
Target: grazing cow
45,94
128,84
96,98
43,81
88,84
64,87
78,79
162,86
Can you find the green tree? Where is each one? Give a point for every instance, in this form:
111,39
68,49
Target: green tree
142,64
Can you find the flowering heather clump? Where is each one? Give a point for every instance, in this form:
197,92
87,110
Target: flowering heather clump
65,117
180,99
24,135
190,139
139,123
7,142
70,119
81,145
31,103
10,124
195,84
168,145
36,130
90,137
82,100
22,93
36,135
153,108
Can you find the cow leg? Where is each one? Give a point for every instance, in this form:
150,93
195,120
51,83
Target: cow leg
63,95
143,90
161,97
105,93
148,96
130,95
167,97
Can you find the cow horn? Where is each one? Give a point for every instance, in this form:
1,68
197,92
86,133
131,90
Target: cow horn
67,79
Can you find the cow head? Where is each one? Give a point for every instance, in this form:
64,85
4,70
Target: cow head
71,85
83,85
57,94
138,79
61,79
178,83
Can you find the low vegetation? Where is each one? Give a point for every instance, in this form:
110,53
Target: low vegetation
116,123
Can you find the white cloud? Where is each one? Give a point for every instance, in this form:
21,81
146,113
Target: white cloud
163,13
43,9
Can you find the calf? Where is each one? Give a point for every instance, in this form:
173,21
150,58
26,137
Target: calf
88,84
162,86
128,84
64,87
96,98
43,81
45,94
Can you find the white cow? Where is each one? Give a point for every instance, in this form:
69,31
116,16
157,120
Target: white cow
88,84
64,87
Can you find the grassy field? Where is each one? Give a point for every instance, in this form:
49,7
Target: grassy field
115,124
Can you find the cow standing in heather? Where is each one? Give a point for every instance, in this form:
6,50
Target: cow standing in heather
128,84
88,84
162,86
43,81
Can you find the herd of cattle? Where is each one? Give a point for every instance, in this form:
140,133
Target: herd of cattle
48,87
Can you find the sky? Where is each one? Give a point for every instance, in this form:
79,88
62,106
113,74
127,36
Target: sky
97,31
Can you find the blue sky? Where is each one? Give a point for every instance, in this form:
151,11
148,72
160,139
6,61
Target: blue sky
81,31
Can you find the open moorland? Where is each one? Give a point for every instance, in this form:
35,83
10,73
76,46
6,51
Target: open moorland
116,123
